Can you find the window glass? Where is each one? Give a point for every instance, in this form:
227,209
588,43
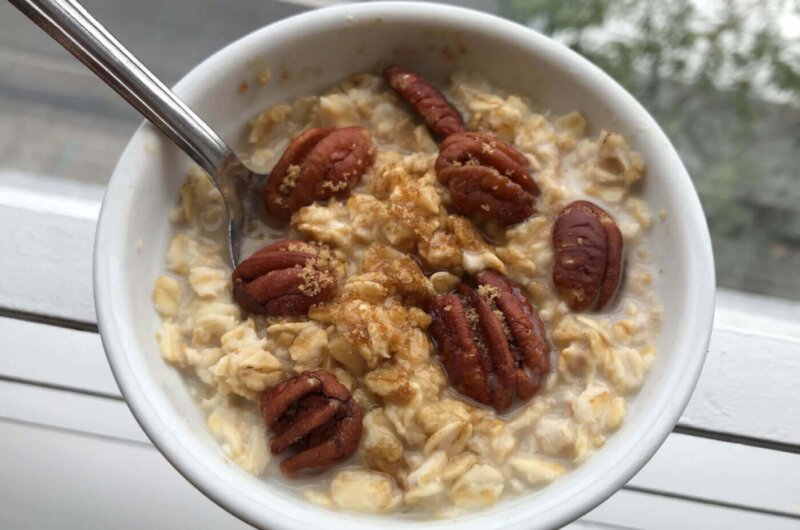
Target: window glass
722,77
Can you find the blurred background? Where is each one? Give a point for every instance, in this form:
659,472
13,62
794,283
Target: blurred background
722,77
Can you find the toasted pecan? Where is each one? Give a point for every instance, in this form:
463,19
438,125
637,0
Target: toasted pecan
588,256
318,165
314,414
285,278
439,115
491,341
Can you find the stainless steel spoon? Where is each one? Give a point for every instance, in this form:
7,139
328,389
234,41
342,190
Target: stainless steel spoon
75,29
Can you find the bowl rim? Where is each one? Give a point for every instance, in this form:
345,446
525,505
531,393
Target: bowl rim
194,469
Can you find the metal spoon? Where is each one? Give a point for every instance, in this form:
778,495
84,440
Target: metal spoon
78,32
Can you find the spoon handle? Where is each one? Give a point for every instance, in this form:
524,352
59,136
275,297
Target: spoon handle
78,32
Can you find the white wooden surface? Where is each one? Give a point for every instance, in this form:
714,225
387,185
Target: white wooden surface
71,454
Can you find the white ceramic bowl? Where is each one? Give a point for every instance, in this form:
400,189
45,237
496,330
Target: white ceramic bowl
317,49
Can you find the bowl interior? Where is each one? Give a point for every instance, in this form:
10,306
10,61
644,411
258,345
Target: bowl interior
305,55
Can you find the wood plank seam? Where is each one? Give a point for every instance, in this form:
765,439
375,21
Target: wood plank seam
737,438
722,504
39,318
77,432
63,388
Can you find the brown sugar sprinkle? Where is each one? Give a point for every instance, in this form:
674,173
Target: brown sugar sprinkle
472,315
294,247
314,277
488,293
501,318
315,273
339,186
487,148
324,256
290,180
358,335
474,324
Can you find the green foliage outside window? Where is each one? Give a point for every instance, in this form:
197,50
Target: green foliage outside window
723,80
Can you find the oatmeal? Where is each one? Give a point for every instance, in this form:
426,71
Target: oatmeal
448,301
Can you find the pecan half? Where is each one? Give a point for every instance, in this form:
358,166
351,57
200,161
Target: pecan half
588,255
439,115
285,278
490,341
486,177
316,416
318,165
